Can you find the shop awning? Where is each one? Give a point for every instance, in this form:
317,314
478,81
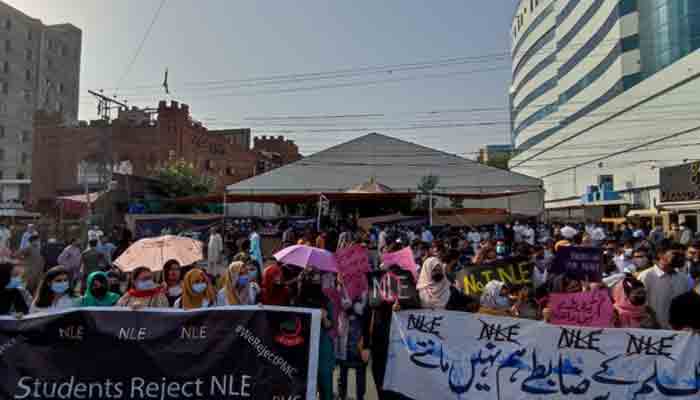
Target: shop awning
680,206
646,213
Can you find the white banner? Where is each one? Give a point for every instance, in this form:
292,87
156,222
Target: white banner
453,355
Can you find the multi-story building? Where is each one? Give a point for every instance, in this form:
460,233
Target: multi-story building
39,69
604,93
495,153
70,158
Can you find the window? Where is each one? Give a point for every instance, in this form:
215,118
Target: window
28,75
8,24
59,106
30,35
64,50
4,87
8,45
25,158
606,182
49,44
49,63
28,96
28,54
2,175
20,175
3,107
60,87
6,67
2,154
25,136
2,131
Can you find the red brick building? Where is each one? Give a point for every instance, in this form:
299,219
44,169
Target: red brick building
139,140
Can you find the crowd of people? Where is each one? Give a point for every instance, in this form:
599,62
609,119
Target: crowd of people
652,277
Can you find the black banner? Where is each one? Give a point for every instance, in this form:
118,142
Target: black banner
583,263
474,278
227,353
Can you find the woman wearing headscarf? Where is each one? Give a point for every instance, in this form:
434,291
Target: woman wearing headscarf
237,289
197,291
433,287
11,299
97,293
54,292
631,309
311,296
274,290
143,291
172,281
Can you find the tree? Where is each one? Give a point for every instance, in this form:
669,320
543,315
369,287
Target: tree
426,185
180,179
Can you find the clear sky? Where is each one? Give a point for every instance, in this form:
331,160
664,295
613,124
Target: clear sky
413,64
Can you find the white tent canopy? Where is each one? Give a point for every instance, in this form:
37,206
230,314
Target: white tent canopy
400,165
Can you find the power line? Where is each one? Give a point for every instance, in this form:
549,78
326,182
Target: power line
140,47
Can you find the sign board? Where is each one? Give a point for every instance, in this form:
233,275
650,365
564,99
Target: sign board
474,278
583,263
680,183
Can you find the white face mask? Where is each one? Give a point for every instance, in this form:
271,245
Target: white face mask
145,285
199,287
358,309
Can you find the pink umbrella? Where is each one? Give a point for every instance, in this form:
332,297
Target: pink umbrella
307,256
155,252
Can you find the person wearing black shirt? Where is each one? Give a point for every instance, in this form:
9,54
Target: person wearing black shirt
11,300
683,315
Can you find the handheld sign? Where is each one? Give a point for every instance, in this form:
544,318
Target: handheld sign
353,265
582,263
474,278
389,287
403,258
590,309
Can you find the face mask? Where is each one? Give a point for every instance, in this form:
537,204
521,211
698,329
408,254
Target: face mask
548,254
438,277
199,287
252,275
628,252
358,309
145,285
59,287
15,283
99,292
243,280
500,249
174,291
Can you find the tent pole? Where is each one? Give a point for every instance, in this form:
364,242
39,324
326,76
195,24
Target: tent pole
430,208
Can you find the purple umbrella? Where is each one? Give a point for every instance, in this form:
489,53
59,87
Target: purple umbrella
307,256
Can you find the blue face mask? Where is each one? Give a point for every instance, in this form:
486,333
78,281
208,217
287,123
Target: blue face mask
252,275
243,280
15,283
199,287
59,287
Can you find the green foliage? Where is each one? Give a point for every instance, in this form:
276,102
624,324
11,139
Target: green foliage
181,179
426,185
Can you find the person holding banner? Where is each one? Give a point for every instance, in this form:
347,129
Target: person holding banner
351,330
54,291
172,281
11,299
237,289
197,291
143,291
97,292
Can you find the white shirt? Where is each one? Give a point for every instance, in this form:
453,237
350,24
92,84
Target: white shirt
662,288
598,234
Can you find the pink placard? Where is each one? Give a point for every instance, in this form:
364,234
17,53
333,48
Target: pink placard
353,265
403,258
592,309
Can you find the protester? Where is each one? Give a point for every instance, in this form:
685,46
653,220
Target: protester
114,279
17,282
215,253
143,291
683,315
71,258
433,287
27,235
34,263
92,261
311,296
54,291
664,281
197,291
274,290
692,267
237,289
172,281
686,235
495,300
107,249
12,301
97,293
631,308
51,251
255,246
351,334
